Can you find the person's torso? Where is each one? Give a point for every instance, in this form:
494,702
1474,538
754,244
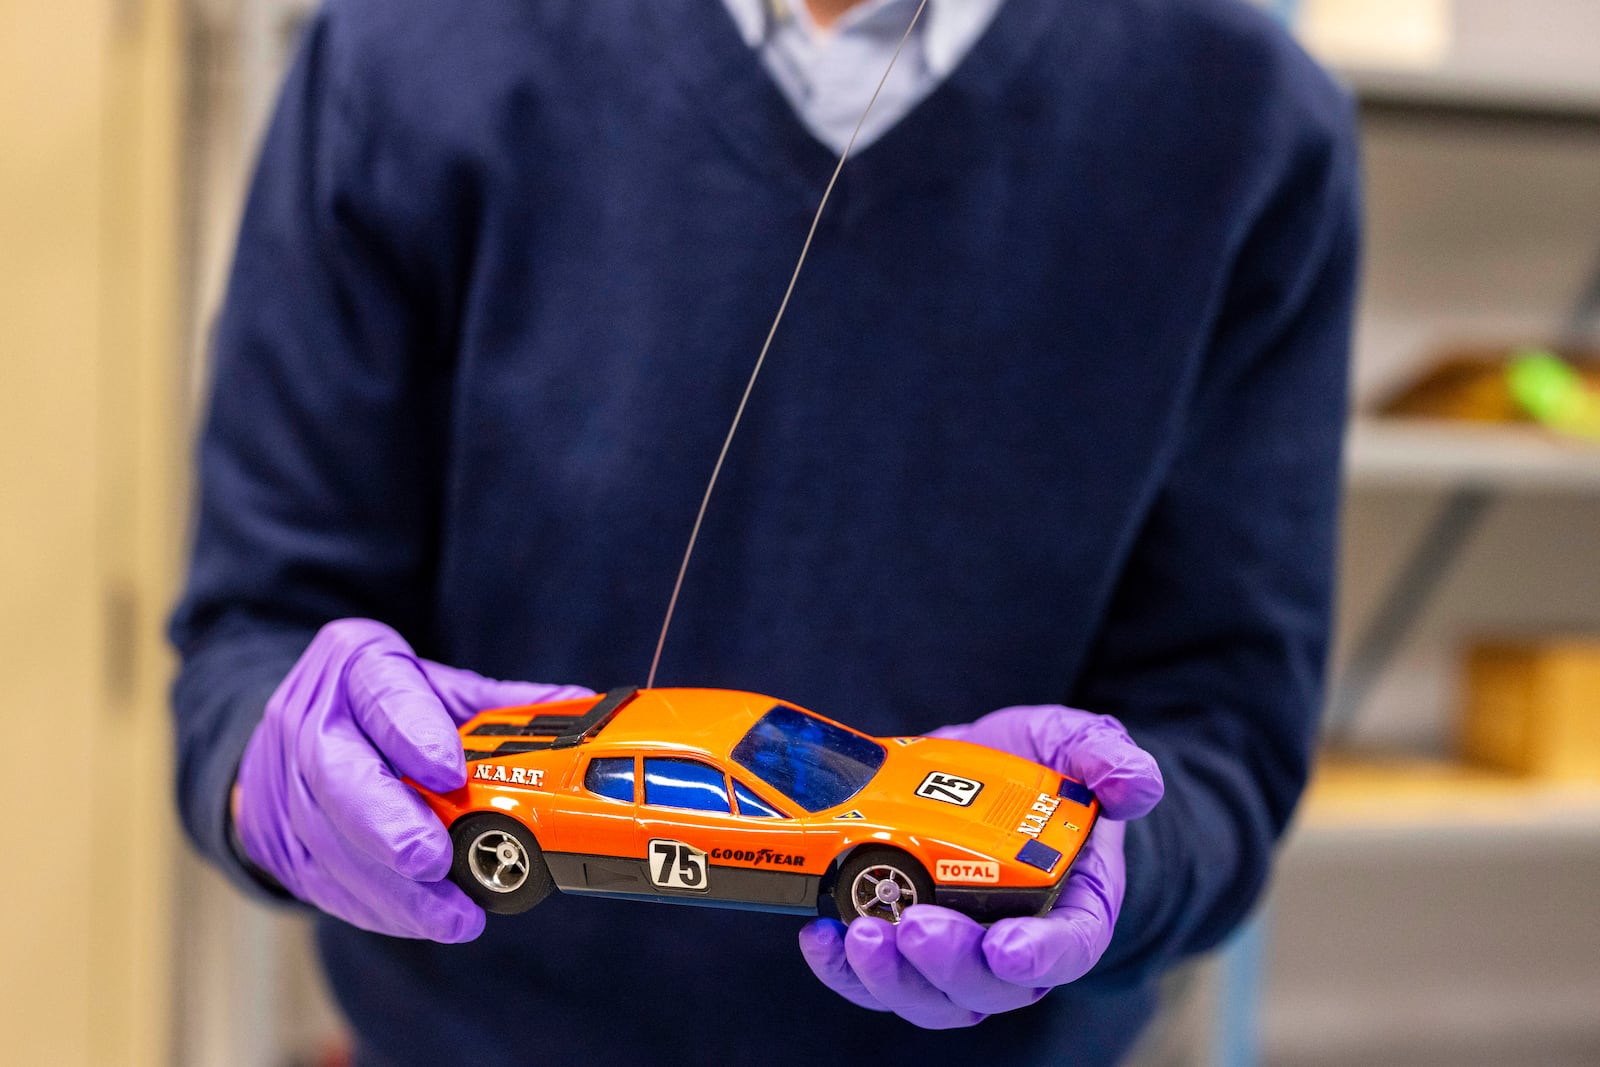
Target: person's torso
970,403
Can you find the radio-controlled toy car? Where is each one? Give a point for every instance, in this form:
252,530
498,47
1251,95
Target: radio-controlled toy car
736,800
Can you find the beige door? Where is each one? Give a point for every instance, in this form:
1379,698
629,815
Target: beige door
90,524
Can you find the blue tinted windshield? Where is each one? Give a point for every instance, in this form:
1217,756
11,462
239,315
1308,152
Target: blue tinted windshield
814,763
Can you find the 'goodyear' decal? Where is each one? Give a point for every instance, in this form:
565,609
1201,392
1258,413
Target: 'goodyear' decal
758,856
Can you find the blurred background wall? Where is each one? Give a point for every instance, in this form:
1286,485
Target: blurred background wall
92,418
1428,909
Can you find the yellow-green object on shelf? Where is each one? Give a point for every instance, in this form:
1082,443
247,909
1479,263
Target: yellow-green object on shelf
1553,393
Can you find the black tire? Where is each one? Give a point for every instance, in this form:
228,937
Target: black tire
499,864
854,891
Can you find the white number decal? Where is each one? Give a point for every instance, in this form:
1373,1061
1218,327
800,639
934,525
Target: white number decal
950,788
675,865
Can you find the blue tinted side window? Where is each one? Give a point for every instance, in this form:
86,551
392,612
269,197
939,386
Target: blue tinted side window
682,783
753,806
610,778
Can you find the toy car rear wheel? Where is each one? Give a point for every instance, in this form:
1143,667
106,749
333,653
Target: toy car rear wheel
499,864
880,883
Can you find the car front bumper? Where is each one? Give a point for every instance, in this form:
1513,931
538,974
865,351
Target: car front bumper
989,904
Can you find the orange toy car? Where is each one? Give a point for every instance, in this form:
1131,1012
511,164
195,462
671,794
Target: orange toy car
729,799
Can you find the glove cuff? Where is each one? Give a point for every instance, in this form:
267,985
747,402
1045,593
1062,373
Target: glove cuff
257,874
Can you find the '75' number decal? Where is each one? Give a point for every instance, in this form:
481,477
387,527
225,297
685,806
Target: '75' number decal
950,788
675,865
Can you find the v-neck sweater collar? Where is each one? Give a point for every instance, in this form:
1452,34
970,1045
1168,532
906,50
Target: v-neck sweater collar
736,94
947,29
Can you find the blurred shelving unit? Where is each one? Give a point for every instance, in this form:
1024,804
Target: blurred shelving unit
1398,819
1500,97
1398,800
1424,454
1425,912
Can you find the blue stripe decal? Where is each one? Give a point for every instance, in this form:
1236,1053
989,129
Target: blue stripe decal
1076,792
1038,854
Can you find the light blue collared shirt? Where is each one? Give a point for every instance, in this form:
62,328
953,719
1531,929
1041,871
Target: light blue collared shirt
828,75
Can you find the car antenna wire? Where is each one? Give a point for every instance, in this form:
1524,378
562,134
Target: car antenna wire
783,305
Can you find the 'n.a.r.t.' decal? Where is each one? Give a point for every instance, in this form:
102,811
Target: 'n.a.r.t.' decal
489,772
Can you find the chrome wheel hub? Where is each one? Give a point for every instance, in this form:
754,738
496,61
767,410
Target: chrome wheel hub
498,861
883,891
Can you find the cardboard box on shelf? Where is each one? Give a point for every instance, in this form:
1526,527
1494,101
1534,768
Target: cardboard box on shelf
1533,707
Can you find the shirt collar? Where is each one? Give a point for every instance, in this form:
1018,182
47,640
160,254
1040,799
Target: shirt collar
947,29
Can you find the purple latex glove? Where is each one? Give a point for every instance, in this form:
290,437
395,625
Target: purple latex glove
938,968
319,803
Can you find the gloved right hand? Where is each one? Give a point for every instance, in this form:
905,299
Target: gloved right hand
319,804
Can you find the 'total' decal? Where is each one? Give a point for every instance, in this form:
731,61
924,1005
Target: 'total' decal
966,871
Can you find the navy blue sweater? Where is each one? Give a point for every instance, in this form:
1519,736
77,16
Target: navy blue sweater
1054,417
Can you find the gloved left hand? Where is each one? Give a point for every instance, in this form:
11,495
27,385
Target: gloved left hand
319,804
939,969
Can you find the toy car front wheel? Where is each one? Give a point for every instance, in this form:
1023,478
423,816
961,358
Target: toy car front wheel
498,864
880,883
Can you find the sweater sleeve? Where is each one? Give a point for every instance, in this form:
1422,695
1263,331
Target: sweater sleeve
318,461
1213,651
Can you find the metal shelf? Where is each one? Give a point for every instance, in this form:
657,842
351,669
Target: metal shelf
1405,801
1433,454
1454,93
